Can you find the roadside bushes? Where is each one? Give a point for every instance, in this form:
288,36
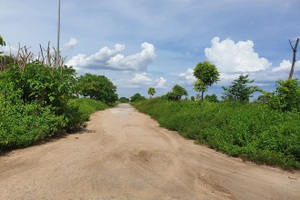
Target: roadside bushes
79,111
286,96
24,124
37,102
252,131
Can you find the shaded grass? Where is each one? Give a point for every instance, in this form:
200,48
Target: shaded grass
251,131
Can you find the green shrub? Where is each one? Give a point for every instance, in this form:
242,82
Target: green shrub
79,111
21,125
286,96
251,130
35,104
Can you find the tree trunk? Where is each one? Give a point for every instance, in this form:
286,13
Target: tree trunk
294,57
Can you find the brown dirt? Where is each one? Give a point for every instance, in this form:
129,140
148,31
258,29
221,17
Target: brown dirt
124,154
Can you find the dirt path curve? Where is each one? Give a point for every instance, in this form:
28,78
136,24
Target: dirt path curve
126,155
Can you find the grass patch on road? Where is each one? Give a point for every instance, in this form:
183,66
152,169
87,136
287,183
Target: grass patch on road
251,131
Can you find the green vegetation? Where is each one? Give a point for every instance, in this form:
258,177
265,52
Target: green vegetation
211,98
176,93
151,91
2,42
123,100
38,102
286,96
137,97
82,109
97,87
206,74
240,90
252,131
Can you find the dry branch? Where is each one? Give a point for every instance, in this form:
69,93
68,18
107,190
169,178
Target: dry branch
294,48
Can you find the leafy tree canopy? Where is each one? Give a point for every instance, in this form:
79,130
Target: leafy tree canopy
240,90
97,87
212,98
123,100
38,83
137,97
2,42
151,91
206,74
176,93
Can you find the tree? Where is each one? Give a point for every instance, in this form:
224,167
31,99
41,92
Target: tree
199,86
176,93
286,96
207,74
137,97
212,98
40,84
151,91
123,100
239,90
98,87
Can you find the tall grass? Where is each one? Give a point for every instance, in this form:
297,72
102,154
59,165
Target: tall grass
251,131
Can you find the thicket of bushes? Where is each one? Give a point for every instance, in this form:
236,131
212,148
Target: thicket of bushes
38,101
83,108
252,131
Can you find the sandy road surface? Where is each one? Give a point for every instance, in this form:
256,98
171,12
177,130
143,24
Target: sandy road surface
126,155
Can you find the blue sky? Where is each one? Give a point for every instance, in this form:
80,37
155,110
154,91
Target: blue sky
139,44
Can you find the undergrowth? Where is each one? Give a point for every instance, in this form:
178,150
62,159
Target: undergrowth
37,102
80,111
251,131
22,125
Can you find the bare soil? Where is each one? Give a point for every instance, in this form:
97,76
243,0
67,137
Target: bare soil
124,154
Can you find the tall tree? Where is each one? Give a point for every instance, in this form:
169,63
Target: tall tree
199,86
240,90
207,74
294,48
151,91
98,87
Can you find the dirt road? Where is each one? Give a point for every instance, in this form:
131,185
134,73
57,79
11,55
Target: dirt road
126,155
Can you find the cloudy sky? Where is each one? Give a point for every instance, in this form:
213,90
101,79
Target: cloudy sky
139,44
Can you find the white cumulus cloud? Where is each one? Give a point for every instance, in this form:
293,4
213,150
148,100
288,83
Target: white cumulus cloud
188,76
161,82
286,65
142,78
113,59
70,45
139,61
231,57
145,80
